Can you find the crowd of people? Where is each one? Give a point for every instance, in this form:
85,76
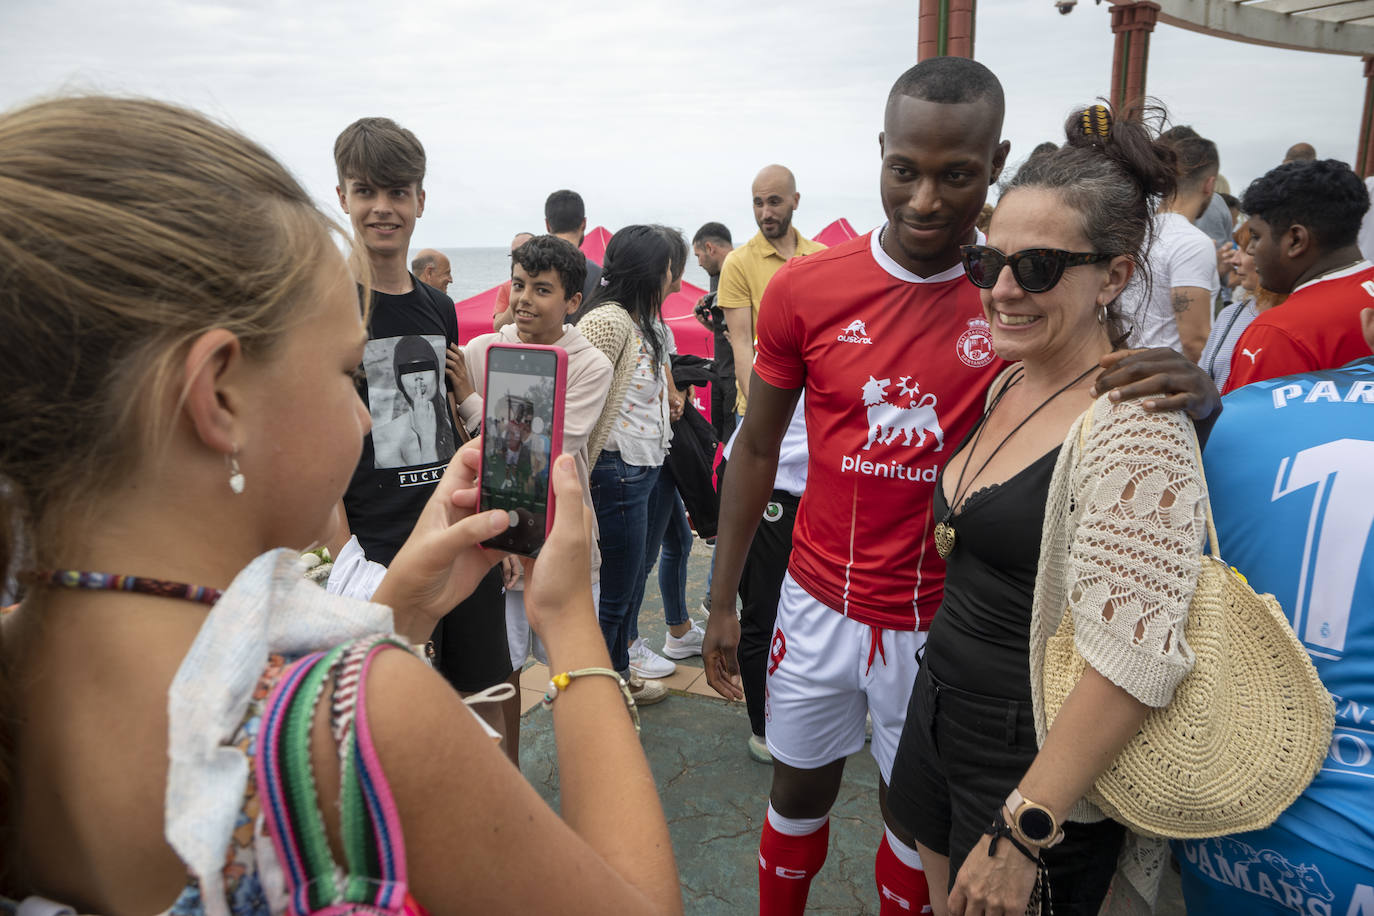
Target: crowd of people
945,444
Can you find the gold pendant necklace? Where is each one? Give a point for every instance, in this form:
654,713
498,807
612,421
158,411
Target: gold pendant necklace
945,535
944,539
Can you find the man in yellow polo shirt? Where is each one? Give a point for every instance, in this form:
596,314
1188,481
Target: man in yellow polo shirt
748,268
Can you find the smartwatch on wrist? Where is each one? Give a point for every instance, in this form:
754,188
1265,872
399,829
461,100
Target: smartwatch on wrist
1033,824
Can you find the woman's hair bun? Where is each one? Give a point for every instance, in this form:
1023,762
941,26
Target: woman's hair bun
1131,141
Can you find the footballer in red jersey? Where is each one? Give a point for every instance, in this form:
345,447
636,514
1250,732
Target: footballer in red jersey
892,349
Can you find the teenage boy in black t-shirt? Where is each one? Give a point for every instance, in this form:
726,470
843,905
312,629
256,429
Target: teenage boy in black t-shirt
381,168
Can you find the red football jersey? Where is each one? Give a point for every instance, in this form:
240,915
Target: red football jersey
1317,327
895,369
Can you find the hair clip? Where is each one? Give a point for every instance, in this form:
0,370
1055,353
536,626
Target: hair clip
605,282
1097,122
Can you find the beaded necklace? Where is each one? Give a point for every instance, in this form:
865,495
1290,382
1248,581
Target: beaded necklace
111,582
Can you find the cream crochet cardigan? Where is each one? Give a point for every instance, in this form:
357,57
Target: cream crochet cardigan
610,329
1121,549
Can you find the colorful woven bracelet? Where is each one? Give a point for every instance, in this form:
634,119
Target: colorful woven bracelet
561,682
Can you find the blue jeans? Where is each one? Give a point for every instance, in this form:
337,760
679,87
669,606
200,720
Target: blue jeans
620,495
670,532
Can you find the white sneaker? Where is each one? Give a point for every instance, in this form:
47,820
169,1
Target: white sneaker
645,662
686,645
646,693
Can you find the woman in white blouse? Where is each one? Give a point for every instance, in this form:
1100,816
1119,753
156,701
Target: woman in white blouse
630,439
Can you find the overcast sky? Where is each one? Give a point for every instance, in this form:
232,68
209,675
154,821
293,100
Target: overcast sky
654,111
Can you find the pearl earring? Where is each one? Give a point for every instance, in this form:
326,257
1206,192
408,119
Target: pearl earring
235,474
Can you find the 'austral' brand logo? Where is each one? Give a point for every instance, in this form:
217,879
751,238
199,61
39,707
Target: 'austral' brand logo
855,332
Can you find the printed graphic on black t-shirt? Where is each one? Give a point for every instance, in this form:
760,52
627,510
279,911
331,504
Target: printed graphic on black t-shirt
405,394
388,492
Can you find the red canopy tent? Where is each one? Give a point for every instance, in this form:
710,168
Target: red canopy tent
836,232
594,245
475,314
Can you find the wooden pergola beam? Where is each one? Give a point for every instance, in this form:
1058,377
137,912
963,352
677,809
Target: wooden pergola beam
1132,24
1273,23
1324,26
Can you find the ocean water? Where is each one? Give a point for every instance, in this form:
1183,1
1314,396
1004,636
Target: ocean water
478,269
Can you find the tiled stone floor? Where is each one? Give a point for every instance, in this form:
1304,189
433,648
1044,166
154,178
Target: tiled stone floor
714,795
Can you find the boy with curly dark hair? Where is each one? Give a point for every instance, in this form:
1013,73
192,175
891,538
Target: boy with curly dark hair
547,275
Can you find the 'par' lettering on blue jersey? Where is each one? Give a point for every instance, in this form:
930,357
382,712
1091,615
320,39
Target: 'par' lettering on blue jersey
1290,468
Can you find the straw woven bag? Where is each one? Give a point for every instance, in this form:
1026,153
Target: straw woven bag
1248,727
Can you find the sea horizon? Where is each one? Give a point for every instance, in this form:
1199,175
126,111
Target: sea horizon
478,269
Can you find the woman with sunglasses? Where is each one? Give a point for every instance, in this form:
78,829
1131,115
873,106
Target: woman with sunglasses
995,804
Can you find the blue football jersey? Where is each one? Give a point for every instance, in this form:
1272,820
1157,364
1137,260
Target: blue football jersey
1290,467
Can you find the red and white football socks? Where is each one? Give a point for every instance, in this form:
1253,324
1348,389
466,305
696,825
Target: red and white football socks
902,888
791,852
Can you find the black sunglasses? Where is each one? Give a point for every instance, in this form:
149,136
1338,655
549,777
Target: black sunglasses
1035,269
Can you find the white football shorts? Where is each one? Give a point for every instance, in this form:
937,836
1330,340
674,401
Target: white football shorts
825,671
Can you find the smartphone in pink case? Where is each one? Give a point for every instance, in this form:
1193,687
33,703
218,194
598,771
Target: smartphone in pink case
522,433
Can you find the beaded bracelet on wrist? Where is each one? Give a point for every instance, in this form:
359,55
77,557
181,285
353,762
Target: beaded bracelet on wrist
560,682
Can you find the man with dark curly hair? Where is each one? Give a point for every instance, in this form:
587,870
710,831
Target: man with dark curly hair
1304,229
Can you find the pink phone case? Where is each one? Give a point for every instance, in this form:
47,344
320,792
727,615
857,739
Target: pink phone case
560,384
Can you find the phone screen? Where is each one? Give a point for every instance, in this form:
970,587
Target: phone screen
517,431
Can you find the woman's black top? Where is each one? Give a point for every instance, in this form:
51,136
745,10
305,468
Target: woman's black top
980,639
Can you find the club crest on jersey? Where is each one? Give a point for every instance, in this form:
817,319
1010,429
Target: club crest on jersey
974,346
854,332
